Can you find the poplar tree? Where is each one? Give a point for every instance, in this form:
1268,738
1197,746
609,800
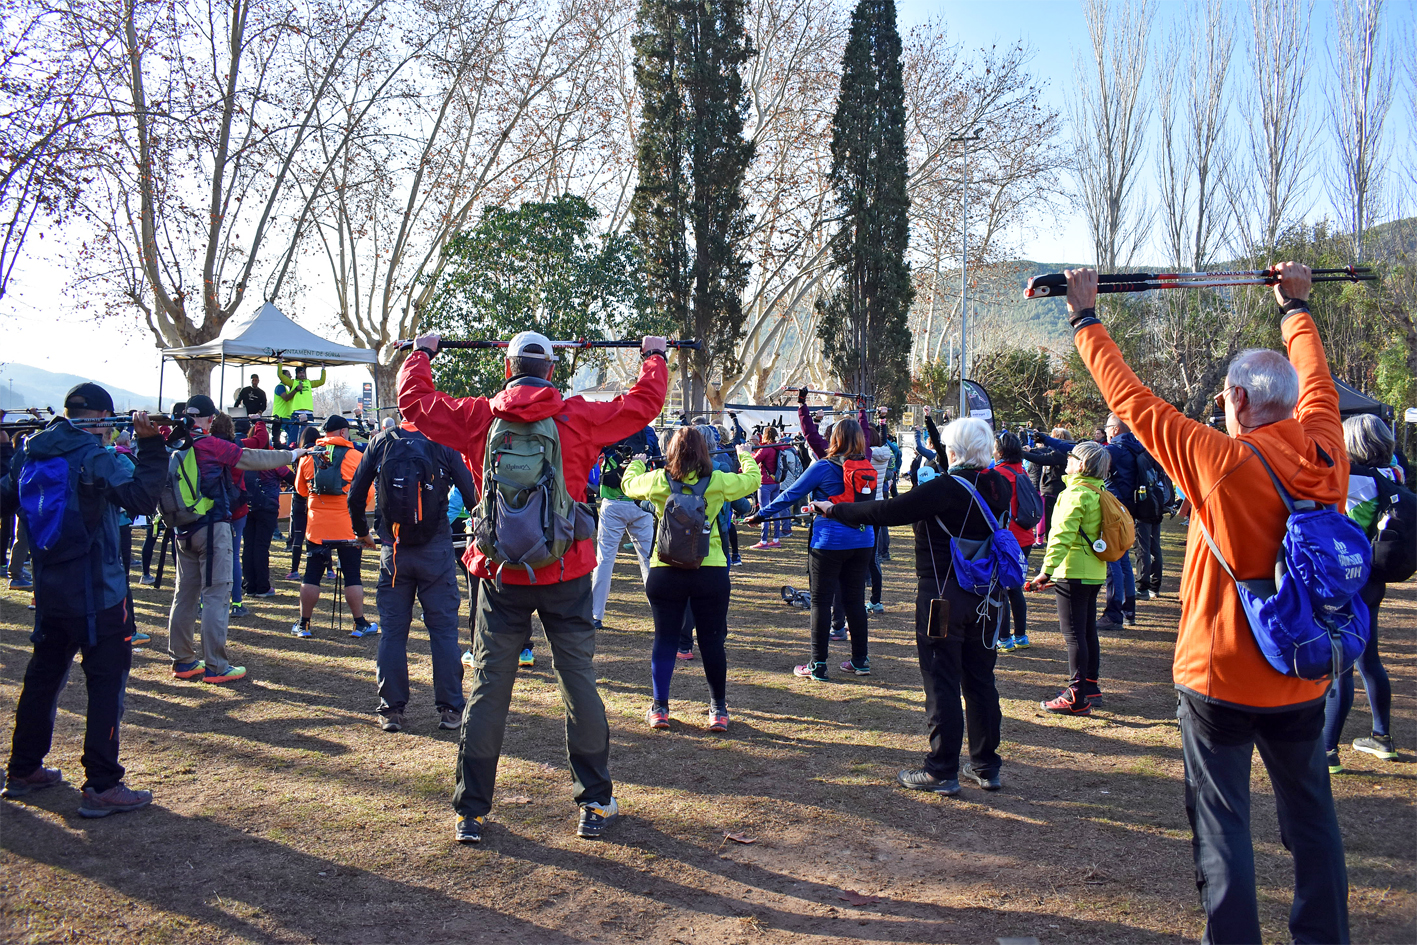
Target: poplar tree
863,324
688,210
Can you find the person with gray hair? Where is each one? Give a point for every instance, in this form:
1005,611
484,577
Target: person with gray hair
1231,699
955,630
1370,446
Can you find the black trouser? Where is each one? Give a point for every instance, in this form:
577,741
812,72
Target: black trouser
299,511
256,549
883,543
840,570
1217,744
1016,613
1148,556
1050,502
873,570
149,543
1077,619
952,666
704,593
7,528
733,538
125,546
503,629
106,666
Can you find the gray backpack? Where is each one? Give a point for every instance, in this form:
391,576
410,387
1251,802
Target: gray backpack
526,518
684,526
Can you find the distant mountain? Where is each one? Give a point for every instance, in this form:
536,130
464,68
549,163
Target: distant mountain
25,386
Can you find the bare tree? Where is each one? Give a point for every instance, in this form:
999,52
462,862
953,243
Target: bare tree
1109,127
1358,106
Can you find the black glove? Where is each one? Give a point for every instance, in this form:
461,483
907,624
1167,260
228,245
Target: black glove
802,395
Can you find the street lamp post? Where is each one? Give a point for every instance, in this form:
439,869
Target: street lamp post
964,141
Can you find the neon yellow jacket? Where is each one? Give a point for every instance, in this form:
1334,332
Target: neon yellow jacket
723,487
304,398
1069,555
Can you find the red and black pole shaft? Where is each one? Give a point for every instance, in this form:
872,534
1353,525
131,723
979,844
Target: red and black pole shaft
583,344
1054,284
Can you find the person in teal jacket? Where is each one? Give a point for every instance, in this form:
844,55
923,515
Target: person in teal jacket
1078,573
671,590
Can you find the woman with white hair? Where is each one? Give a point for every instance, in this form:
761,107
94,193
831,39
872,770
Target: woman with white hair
1370,447
954,628
1078,574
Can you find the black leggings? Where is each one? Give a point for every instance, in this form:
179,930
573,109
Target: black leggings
733,538
842,569
149,543
672,591
1077,619
1018,607
299,510
874,570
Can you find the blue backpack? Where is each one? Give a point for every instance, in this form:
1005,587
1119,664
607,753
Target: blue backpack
63,513
981,563
1308,621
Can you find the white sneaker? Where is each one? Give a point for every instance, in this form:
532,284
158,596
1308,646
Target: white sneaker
300,630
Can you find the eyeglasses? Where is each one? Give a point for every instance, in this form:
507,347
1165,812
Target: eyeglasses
1220,397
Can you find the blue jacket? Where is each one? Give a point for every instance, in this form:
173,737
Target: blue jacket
1122,476
821,481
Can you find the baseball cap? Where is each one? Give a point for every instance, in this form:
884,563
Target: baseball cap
335,422
516,348
88,396
924,474
201,406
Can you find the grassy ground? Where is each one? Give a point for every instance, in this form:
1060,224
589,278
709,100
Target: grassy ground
283,814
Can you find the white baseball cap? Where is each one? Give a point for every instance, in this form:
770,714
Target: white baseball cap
516,348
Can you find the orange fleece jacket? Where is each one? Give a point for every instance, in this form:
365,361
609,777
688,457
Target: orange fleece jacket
329,514
1216,656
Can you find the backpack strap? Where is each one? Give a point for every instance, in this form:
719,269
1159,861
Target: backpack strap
978,500
1290,503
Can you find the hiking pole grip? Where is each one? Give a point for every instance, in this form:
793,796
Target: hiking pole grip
1055,284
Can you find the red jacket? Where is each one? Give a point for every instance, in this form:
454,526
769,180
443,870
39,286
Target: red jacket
1012,472
585,427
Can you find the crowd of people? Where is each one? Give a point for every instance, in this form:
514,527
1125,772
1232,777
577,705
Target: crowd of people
515,478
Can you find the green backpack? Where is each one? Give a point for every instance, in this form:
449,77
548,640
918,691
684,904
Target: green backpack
526,518
181,501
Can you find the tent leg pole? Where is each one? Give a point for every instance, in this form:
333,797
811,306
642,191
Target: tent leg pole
376,394
222,389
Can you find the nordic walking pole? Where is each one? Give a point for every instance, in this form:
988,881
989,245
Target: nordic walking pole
455,344
1055,284
824,393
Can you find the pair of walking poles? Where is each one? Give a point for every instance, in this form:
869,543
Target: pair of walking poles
1054,284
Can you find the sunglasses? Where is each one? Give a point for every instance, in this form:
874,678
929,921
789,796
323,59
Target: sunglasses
1220,397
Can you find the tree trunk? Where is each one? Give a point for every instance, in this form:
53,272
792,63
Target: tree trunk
386,385
199,378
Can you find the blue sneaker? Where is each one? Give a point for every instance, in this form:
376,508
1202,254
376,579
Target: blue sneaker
139,638
1006,645
21,583
1021,642
526,658
301,630
364,628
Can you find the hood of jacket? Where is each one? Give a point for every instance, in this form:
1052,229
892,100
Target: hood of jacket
1298,462
58,438
527,400
1128,442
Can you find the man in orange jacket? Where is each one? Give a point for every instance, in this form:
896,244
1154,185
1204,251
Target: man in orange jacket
328,530
1230,699
559,592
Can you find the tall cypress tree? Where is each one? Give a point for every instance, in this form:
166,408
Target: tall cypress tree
688,208
864,324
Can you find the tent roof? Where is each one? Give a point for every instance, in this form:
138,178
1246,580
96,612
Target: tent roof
1352,401
265,336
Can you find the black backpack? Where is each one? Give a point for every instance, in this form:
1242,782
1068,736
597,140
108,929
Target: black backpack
684,526
329,473
1394,528
616,456
407,489
1154,492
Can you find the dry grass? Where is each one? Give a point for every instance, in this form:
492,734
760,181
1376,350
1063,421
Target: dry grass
283,814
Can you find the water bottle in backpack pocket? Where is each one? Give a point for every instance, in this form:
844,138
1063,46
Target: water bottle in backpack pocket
858,479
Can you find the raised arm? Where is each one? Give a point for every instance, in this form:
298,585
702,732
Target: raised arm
452,421
815,442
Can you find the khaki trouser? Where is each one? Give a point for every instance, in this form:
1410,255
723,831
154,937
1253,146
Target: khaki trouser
215,599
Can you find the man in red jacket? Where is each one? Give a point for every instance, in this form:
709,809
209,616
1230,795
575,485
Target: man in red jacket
560,593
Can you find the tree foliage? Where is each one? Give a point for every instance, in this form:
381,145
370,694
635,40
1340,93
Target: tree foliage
864,324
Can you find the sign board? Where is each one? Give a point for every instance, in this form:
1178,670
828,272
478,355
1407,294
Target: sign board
1410,415
368,396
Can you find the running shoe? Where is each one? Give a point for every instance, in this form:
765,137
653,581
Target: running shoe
924,781
232,674
449,720
595,818
293,576
469,829
268,592
139,638
1006,645
737,561
115,800
989,782
392,722
147,579
37,780
1067,703
657,716
775,543
188,670
718,718
525,658
21,583
758,547
813,671
301,630
364,628
837,633
876,608
1021,641
595,622
1379,746
1334,765
467,657
684,655
864,669
239,610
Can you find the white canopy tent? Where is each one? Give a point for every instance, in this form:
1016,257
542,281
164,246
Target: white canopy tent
268,336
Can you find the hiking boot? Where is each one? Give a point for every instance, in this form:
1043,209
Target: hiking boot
188,670
139,638
392,722
862,669
469,829
1334,765
239,610
813,671
1005,645
116,800
1068,703
838,634
301,630
364,628
989,782
657,716
684,654
595,818
232,674
923,781
147,579
1379,746
526,658
450,720
718,718
37,780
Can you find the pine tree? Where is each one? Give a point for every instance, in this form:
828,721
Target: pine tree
864,324
688,210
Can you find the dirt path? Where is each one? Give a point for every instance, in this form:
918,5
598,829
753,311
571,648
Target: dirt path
284,815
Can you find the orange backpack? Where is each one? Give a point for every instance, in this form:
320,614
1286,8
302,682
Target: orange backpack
859,478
